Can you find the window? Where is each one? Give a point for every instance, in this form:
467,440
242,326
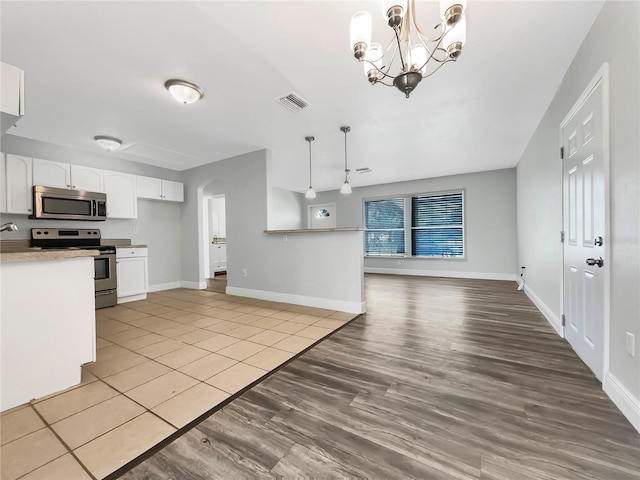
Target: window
433,224
436,226
384,224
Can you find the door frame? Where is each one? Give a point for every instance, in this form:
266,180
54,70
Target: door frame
602,75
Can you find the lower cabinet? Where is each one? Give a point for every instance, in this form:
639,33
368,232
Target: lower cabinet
218,257
133,281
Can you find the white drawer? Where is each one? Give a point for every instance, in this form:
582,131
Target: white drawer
130,252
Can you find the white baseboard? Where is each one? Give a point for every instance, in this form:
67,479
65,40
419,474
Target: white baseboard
441,273
193,285
339,305
164,286
132,298
623,398
551,317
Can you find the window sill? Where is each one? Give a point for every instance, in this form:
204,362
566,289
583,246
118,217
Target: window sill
410,257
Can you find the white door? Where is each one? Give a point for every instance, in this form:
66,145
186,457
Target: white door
322,216
585,262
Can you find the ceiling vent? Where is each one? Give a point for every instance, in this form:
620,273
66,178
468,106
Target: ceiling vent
364,170
292,101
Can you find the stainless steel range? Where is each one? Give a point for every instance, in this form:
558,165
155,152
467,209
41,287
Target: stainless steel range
106,282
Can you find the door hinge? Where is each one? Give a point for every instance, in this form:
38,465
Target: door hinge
561,236
561,153
563,319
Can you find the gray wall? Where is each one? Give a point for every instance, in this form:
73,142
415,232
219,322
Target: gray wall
286,209
245,187
158,222
297,268
490,223
613,38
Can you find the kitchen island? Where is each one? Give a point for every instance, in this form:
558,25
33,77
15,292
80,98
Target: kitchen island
47,321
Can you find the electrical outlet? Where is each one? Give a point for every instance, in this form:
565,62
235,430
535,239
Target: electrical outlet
285,238
631,344
244,272
136,230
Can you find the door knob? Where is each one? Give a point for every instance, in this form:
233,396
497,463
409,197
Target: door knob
592,261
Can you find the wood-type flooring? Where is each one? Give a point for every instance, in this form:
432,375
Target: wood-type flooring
441,379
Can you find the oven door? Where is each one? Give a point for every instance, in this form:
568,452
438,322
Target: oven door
105,272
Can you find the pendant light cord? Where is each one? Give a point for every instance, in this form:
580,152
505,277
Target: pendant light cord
309,140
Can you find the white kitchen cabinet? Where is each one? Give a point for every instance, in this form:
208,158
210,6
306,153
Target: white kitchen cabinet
51,174
63,175
87,178
122,199
19,184
158,189
131,265
11,95
3,188
218,257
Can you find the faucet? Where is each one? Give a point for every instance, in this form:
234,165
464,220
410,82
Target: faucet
8,227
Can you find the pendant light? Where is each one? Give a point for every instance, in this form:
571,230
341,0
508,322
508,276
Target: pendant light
311,193
346,187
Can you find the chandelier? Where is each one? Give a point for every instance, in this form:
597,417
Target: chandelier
416,55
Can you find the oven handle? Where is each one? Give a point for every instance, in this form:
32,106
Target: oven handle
93,202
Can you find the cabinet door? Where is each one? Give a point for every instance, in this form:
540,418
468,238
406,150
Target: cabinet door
223,255
51,174
87,178
132,276
149,187
19,184
3,183
122,200
172,191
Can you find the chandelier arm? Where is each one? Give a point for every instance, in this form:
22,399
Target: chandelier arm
437,68
419,31
399,49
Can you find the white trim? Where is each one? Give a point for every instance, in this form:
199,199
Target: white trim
193,285
602,75
623,398
132,298
442,273
339,305
164,286
551,317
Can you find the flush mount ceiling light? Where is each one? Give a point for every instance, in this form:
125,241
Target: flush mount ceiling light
183,91
346,187
418,56
108,143
311,193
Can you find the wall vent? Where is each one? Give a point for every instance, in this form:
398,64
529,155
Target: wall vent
292,101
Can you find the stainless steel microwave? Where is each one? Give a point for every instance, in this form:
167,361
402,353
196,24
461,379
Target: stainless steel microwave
64,204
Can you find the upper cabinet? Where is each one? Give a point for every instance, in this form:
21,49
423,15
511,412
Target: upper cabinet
19,183
63,175
87,178
157,189
51,174
11,95
122,201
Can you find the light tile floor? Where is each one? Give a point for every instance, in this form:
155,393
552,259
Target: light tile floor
161,363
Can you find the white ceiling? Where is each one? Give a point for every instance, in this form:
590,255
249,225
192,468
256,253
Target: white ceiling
98,68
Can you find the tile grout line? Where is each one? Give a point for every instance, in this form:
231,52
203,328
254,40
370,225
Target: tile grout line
64,444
